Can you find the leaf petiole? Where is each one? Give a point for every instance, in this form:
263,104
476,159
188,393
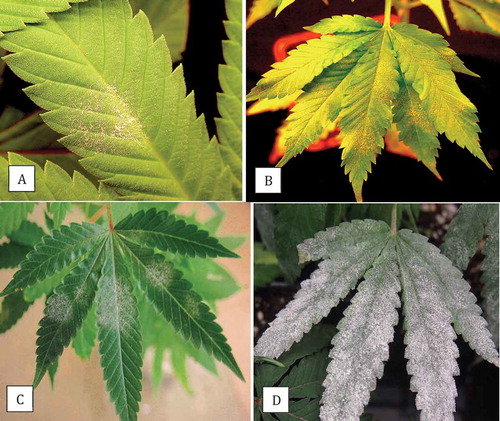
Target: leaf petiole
394,219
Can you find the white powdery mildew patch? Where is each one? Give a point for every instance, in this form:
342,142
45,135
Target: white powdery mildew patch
346,234
160,274
430,350
459,300
362,344
58,308
117,304
330,283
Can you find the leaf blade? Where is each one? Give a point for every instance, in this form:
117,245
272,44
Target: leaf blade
166,232
118,331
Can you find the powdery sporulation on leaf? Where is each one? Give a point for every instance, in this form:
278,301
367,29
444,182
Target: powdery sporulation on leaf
330,283
112,91
161,274
434,294
458,298
58,307
361,346
95,261
347,234
430,346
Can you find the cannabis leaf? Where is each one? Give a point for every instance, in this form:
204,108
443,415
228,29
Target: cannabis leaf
167,233
259,10
471,224
52,183
95,275
169,18
21,132
12,216
471,15
363,76
229,101
434,294
14,15
112,92
302,369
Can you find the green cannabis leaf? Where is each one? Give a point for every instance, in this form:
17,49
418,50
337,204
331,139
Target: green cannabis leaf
14,15
363,76
470,15
112,92
96,276
434,295
229,126
53,183
260,9
169,18
302,370
477,15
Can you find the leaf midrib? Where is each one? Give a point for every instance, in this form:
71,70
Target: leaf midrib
174,237
71,308
128,109
122,378
215,344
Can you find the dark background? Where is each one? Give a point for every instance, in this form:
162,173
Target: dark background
318,176
204,54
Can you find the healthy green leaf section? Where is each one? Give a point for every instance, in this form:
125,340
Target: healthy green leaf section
293,224
54,253
58,211
12,309
167,233
477,15
302,369
12,254
25,132
112,92
363,77
229,125
14,15
53,183
169,18
83,342
12,216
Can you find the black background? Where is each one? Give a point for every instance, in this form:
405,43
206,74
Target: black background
318,176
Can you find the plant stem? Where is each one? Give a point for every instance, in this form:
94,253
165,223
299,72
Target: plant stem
387,13
394,219
404,7
97,215
401,4
110,217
